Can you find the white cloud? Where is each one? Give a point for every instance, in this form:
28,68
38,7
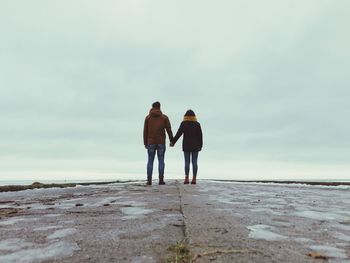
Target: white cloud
268,79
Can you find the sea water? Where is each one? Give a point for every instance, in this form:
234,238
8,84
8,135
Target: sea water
28,182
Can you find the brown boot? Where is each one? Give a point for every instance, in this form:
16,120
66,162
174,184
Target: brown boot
194,178
149,180
186,180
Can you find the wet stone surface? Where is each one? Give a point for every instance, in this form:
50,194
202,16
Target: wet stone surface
221,222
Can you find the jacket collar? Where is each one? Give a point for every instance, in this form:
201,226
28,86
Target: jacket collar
190,118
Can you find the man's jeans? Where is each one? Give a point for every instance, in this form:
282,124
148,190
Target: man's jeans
152,149
194,162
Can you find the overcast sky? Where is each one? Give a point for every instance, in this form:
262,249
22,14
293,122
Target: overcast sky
269,81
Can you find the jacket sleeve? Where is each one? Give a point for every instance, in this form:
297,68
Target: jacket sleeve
168,129
200,136
180,131
145,132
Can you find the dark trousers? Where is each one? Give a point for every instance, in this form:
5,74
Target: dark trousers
188,157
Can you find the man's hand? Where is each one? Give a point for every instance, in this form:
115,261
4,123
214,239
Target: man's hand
172,144
146,147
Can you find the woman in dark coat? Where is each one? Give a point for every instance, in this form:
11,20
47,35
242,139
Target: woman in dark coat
192,143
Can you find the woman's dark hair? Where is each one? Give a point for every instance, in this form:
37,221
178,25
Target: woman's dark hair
156,105
190,113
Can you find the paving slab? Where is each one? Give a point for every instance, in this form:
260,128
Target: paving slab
218,222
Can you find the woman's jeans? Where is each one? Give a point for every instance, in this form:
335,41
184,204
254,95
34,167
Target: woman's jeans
151,150
188,156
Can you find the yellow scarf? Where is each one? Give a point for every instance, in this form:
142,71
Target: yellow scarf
190,118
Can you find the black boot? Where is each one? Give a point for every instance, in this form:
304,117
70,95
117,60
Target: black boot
149,180
161,180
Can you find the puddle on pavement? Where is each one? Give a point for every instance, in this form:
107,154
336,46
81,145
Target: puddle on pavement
62,233
263,232
39,253
15,220
142,259
134,212
329,251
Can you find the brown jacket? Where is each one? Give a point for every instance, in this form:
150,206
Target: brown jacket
154,129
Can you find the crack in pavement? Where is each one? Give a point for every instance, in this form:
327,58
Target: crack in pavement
183,227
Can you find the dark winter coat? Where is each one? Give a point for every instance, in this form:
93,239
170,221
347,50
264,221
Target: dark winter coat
193,137
154,128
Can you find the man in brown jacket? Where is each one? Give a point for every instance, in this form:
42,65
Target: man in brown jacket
154,140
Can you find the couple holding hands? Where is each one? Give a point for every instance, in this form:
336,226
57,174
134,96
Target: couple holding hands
156,123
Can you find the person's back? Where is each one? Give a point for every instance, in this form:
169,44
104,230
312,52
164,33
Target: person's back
156,123
192,140
192,143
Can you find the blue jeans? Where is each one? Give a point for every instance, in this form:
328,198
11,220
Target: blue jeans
151,150
194,162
